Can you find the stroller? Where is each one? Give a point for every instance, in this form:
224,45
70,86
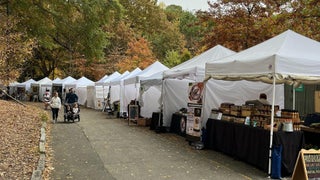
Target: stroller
71,112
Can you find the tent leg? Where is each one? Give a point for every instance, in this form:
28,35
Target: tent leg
272,123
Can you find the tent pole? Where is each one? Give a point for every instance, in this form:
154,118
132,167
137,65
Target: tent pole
293,98
272,122
161,104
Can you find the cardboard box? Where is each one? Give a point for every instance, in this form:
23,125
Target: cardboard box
144,122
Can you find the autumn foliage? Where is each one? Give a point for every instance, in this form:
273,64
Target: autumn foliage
138,54
19,139
41,39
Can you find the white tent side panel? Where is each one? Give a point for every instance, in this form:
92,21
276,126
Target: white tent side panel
90,96
129,92
151,99
237,92
175,97
105,91
99,97
115,93
82,94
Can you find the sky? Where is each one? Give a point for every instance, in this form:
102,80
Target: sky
189,5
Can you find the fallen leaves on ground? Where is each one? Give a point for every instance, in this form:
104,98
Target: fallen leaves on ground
19,139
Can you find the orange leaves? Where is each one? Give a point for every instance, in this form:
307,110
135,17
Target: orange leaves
138,54
19,140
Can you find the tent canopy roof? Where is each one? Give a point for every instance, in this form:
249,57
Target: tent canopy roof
291,57
66,80
24,84
129,75
56,80
44,81
83,81
102,79
116,81
109,78
150,70
195,67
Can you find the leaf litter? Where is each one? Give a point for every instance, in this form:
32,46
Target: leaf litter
19,140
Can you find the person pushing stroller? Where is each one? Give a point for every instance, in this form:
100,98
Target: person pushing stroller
71,97
71,106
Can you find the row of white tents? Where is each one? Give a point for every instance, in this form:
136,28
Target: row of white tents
228,76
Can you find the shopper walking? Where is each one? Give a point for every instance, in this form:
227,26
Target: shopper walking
55,104
71,97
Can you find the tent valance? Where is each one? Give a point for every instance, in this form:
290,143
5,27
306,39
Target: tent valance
289,57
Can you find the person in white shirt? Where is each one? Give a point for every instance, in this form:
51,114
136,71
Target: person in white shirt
75,109
46,99
55,105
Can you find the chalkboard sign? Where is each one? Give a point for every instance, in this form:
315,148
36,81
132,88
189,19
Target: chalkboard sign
133,113
307,165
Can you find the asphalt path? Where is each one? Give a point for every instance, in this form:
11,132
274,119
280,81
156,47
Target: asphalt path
103,147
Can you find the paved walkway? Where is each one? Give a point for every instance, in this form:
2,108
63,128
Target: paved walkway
100,148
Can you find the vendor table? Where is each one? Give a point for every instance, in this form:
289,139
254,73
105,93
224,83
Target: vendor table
251,144
178,124
312,136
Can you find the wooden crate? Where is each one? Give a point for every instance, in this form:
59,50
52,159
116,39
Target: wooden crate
144,122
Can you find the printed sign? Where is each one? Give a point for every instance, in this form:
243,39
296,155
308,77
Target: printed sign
195,95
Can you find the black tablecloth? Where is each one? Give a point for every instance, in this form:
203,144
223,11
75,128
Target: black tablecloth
251,144
178,124
155,120
311,136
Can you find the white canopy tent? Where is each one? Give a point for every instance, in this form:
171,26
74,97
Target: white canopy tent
93,92
80,87
287,58
106,83
56,88
100,81
176,80
117,89
98,92
41,86
132,87
26,85
115,85
13,88
150,94
56,80
62,82
150,70
23,89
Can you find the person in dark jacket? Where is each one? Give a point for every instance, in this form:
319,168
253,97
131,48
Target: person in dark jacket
71,97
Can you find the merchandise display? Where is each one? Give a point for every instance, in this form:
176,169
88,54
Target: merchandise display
259,116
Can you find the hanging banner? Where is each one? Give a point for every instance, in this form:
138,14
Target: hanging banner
195,95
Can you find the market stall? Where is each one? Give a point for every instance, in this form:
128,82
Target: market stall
25,88
287,58
98,92
117,89
150,94
38,88
132,84
176,80
80,87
